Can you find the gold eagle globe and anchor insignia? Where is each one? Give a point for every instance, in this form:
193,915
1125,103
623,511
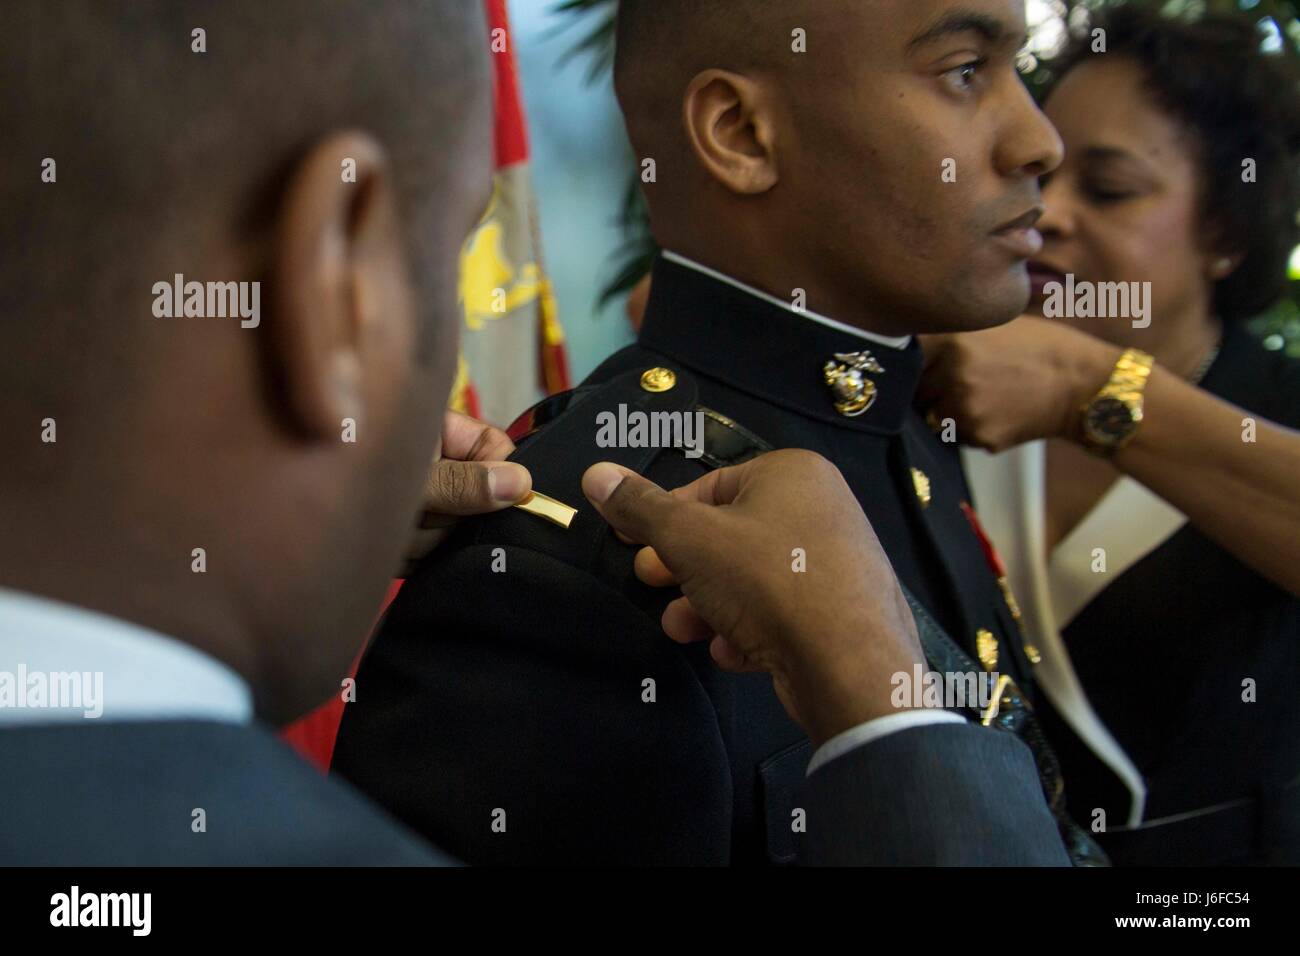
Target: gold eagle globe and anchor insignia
853,392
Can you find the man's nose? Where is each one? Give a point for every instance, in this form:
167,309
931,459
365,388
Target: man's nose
1030,145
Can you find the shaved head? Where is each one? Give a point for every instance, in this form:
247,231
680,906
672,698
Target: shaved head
660,41
166,156
661,45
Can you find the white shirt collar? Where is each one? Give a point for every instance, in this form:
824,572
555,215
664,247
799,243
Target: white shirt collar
888,342
60,663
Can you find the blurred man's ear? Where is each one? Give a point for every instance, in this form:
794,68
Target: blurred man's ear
343,326
731,130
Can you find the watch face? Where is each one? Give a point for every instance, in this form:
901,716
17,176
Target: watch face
1108,419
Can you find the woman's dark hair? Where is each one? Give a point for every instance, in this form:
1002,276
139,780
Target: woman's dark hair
1238,103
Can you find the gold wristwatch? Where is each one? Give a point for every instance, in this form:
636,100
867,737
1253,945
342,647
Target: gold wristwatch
1111,418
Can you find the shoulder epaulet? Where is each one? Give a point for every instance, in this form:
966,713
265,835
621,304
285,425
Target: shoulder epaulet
562,436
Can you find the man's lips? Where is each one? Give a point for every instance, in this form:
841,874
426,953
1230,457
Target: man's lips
1019,235
1040,274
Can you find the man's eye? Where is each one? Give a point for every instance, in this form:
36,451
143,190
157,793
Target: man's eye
963,77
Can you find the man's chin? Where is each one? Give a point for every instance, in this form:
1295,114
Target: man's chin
997,306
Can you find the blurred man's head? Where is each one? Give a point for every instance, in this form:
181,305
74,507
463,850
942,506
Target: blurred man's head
337,153
890,170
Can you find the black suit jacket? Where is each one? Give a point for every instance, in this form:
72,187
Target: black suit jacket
520,702
124,794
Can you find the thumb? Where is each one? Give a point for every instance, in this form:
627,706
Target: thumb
472,488
634,506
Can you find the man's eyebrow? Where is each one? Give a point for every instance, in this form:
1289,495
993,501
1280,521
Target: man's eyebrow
990,28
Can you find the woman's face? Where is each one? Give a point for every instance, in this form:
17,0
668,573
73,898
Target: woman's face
1123,206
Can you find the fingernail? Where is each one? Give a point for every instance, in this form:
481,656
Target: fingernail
507,483
600,481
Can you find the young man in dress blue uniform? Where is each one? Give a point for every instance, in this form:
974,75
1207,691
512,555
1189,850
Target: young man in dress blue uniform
828,178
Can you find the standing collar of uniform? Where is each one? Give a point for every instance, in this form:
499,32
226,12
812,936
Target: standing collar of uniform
761,345
900,342
123,670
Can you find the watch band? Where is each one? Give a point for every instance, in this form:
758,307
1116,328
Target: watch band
1130,374
1126,386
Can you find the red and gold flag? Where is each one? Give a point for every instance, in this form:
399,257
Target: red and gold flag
512,351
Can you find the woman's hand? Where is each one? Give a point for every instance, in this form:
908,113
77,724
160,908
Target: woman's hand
1016,383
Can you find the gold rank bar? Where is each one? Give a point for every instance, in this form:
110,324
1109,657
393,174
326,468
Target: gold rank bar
543,506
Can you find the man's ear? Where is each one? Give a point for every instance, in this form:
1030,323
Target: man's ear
732,132
342,323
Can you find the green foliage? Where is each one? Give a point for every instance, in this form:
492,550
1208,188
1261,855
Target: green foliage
597,43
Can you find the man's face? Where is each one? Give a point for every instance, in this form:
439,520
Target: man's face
916,151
